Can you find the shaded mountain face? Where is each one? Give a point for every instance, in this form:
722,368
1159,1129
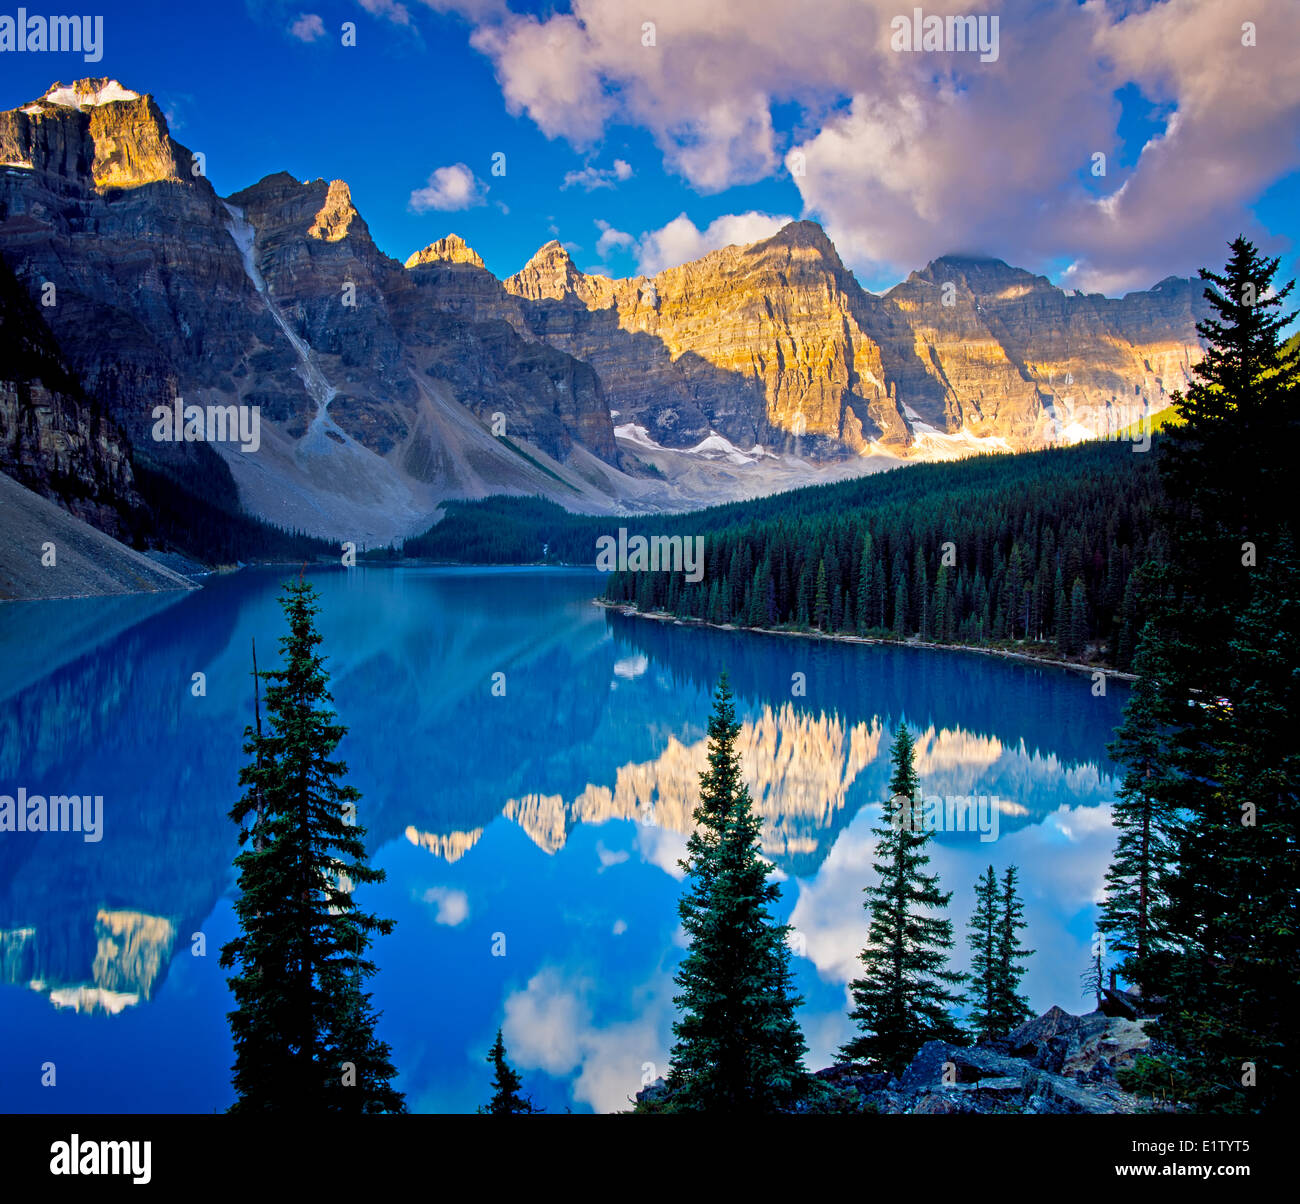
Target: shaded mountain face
54,439
383,388
276,299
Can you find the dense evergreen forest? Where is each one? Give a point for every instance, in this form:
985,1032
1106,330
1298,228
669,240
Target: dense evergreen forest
188,520
1041,547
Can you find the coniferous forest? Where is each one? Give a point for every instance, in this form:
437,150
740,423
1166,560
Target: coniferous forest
1047,548
1180,565
734,559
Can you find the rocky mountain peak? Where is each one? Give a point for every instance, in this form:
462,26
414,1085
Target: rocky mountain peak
550,253
87,93
804,242
803,234
121,134
336,215
549,275
980,274
452,249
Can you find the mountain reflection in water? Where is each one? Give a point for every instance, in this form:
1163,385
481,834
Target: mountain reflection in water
554,815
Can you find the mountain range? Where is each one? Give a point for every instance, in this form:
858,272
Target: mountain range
384,388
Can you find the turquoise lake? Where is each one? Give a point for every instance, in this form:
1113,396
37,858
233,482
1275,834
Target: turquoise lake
544,824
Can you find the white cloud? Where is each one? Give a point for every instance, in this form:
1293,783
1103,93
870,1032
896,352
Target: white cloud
681,241
662,847
590,178
608,857
307,28
618,240
909,156
453,905
449,188
389,10
549,1026
543,1022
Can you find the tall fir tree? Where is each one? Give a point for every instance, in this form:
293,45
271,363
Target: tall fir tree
996,954
1012,1006
983,939
821,608
738,1045
1225,960
1145,818
903,997
303,1025
507,1098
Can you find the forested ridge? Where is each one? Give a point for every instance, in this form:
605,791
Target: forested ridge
1040,546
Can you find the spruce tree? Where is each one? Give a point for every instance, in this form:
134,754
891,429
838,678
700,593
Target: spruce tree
1226,955
1145,818
983,937
303,1026
1012,1008
821,611
507,1099
738,1048
902,999
996,956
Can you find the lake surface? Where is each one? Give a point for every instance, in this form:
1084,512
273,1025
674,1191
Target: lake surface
548,820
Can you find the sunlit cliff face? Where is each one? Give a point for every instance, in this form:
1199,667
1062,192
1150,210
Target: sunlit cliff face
131,951
807,775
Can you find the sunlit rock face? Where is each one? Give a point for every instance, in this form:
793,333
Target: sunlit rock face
450,847
762,344
452,249
999,353
776,344
808,776
132,951
95,124
798,768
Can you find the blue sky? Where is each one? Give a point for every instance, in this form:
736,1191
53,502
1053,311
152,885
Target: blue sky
907,156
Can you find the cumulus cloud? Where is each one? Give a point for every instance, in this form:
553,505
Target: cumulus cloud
618,240
449,188
591,178
549,1026
609,857
681,240
906,156
452,905
662,847
307,28
388,10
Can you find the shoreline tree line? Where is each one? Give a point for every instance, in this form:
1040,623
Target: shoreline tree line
1202,897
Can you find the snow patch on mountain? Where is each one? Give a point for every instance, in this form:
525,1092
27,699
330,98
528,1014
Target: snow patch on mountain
77,96
935,444
714,447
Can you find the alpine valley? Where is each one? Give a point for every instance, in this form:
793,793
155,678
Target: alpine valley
384,388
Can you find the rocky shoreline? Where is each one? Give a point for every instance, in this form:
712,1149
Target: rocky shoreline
1057,1064
843,638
